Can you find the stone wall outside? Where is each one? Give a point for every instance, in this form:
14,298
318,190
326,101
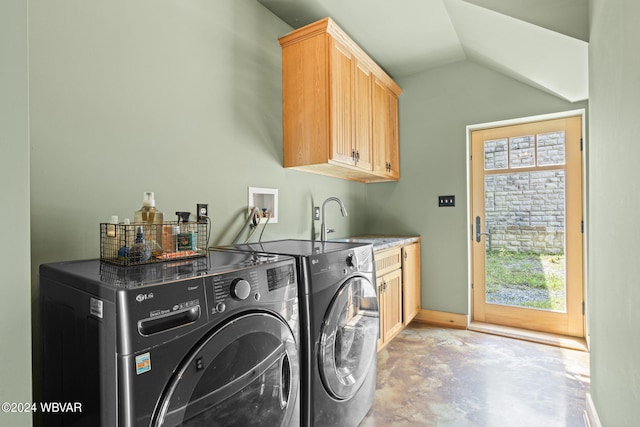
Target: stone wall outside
524,212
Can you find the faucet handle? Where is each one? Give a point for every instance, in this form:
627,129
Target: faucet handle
330,230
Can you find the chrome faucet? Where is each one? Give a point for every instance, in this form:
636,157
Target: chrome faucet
323,228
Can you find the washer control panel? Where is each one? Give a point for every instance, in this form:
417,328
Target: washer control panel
243,288
233,290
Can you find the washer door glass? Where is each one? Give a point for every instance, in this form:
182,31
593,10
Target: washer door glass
243,374
349,337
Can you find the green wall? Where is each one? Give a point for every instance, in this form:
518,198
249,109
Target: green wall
614,197
435,108
15,304
182,98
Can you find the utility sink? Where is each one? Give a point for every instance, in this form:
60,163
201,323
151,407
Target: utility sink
379,242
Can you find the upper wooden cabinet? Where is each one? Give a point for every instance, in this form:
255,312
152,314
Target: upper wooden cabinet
340,109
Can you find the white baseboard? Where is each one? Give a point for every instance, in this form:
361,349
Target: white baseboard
591,414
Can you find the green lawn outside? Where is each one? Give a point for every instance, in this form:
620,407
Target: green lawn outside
526,279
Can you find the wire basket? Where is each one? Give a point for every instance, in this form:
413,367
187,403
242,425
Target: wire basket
142,243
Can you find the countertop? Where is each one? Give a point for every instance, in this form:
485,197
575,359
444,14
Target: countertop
380,242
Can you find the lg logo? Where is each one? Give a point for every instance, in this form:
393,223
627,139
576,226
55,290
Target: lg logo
143,297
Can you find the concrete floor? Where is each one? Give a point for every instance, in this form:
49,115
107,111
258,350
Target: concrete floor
430,376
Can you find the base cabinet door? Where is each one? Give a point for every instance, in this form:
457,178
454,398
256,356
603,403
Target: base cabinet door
410,282
390,297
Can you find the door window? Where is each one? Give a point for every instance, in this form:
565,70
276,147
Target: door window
245,374
349,338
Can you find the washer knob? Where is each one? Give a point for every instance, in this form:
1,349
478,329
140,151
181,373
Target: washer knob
240,289
220,307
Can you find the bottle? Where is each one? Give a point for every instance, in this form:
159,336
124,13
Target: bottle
187,235
113,224
152,219
170,238
140,251
126,241
110,239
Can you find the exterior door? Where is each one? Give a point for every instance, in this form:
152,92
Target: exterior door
349,337
527,241
244,374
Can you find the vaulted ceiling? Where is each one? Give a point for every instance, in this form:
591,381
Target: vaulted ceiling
543,43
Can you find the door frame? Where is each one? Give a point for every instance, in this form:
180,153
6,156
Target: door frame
520,121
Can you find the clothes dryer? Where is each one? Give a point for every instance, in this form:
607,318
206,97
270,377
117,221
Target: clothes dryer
340,327
210,341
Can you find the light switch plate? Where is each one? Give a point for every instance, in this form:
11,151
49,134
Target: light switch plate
446,201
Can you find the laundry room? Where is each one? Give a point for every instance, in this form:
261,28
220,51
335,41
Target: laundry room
106,101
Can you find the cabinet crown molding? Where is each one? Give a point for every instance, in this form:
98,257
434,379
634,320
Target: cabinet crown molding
329,26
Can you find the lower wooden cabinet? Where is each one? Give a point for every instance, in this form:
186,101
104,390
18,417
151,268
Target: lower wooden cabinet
398,282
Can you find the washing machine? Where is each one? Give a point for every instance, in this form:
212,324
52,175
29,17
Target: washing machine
210,341
339,328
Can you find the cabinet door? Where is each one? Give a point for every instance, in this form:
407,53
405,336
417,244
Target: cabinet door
382,310
410,282
342,63
393,304
393,141
385,131
380,126
362,118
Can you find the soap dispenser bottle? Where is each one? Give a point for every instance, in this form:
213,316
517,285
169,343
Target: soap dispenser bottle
148,213
149,216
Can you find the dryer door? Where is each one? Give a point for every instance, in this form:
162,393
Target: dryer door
349,337
245,373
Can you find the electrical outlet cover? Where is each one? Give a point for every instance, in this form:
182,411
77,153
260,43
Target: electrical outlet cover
203,210
446,201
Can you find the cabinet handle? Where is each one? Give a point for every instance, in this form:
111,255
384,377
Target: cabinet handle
353,154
